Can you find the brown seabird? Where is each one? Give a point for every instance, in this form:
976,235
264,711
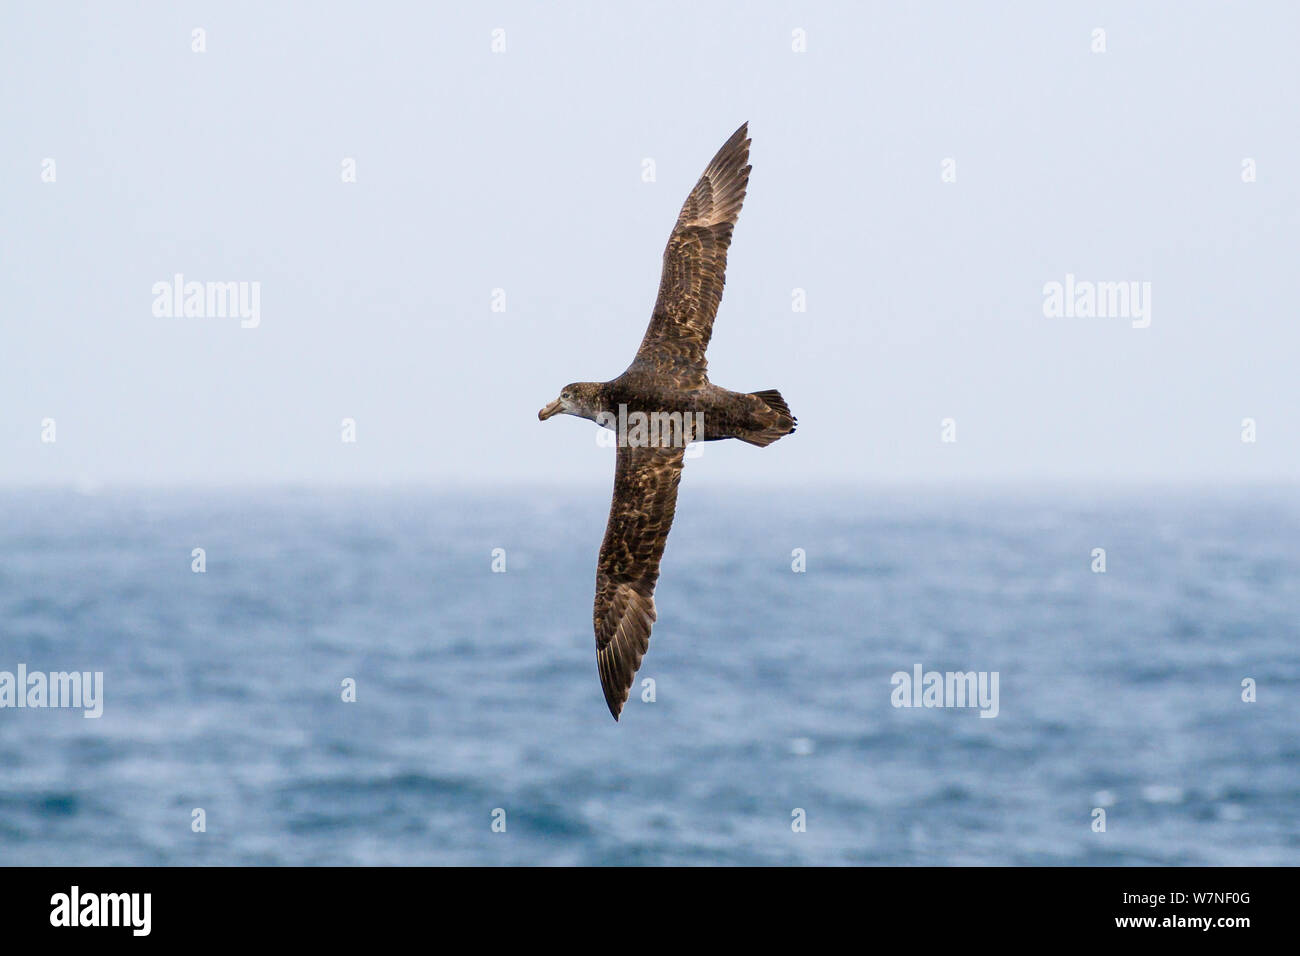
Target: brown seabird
666,397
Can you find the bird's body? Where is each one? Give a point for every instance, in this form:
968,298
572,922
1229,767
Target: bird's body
721,412
660,404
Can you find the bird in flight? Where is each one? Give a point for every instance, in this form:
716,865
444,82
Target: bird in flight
659,405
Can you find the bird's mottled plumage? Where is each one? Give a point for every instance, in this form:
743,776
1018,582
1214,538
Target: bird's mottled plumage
668,375
695,268
645,500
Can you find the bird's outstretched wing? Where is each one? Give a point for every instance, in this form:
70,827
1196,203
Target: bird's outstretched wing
695,266
645,499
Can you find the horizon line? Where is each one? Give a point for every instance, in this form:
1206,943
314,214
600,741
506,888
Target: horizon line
1019,483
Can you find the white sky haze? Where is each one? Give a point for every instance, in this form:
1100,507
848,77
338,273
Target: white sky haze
522,170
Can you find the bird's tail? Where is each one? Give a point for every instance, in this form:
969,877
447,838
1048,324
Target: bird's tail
774,419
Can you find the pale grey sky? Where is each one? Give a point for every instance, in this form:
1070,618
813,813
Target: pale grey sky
522,170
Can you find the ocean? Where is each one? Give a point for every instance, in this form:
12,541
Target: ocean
478,733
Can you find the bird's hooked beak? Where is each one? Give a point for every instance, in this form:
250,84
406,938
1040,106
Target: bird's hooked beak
552,409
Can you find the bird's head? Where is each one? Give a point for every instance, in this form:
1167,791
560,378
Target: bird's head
581,399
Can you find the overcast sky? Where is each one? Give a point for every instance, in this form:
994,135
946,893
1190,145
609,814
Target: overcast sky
525,170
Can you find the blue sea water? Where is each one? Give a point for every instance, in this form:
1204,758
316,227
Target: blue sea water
477,690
